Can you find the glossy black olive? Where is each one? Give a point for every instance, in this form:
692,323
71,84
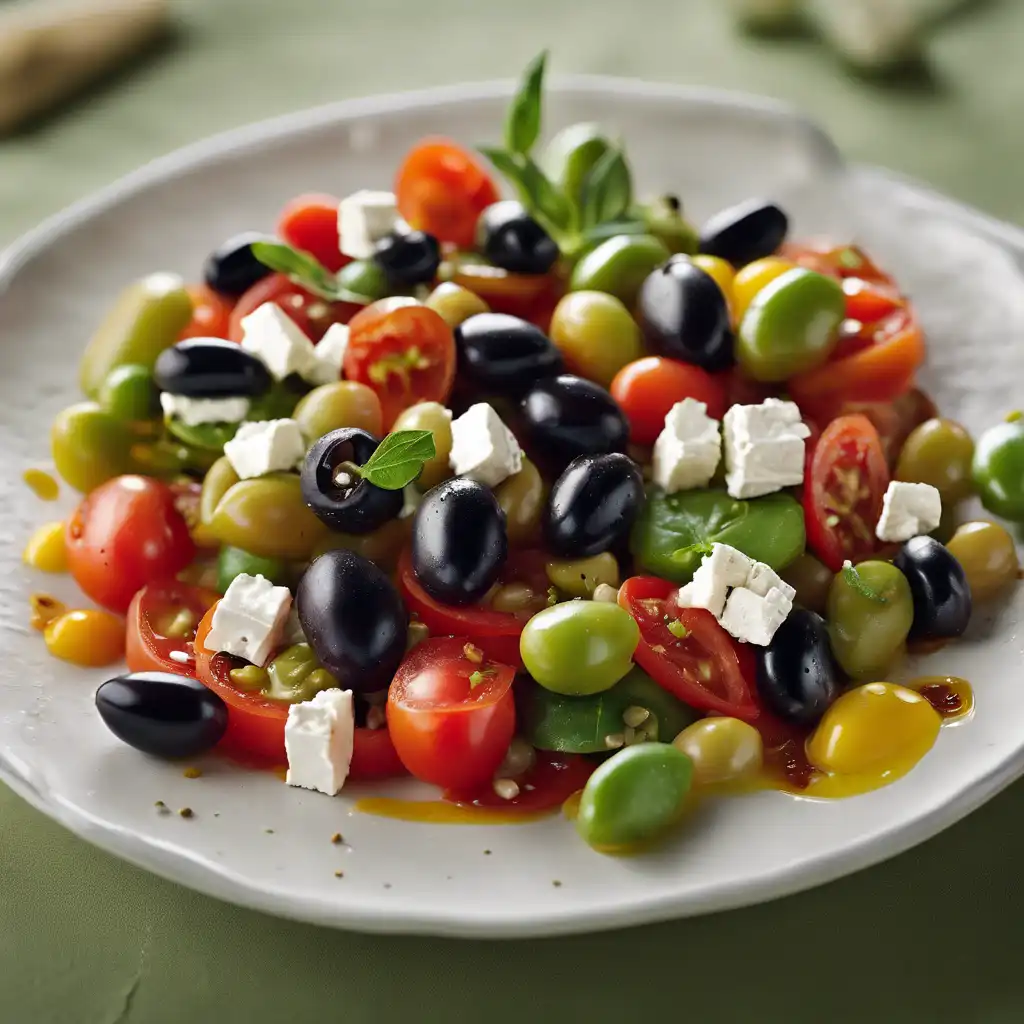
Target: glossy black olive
683,314
232,269
568,416
459,542
162,714
408,258
797,676
354,619
211,368
746,232
939,587
504,354
593,505
511,239
340,500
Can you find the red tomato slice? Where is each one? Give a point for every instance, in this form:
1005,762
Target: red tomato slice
152,610
529,296
404,352
313,314
869,301
451,717
310,222
843,490
545,787
705,668
841,261
211,314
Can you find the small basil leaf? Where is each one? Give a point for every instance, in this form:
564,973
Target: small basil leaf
607,190
522,123
545,198
399,459
305,270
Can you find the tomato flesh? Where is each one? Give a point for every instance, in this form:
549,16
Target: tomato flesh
310,222
152,610
311,313
211,314
545,787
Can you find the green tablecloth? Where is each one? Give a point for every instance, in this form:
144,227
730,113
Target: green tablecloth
929,937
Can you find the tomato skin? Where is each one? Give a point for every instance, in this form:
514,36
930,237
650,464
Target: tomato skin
648,388
849,442
125,534
211,314
310,222
442,189
869,301
146,649
312,314
446,730
545,787
730,688
404,352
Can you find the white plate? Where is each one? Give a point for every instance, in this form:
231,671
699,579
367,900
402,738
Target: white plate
480,881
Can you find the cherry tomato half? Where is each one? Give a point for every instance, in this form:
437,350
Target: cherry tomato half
531,297
648,388
151,614
313,314
545,787
842,261
211,314
705,667
125,534
442,189
404,352
451,718
310,222
843,490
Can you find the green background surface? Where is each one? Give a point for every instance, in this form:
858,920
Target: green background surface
932,936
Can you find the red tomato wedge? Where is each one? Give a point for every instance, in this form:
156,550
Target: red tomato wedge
705,667
152,611
313,314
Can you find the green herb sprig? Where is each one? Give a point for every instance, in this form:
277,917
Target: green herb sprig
397,462
305,270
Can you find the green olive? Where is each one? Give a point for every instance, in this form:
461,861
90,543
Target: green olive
619,266
596,334
366,278
128,393
811,579
343,403
580,577
791,325
522,498
938,452
998,470
455,304
147,317
437,419
381,546
90,446
634,796
988,556
868,623
232,562
267,516
219,479
722,750
571,155
665,220
579,647
295,675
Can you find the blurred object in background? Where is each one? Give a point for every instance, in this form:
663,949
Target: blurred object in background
51,49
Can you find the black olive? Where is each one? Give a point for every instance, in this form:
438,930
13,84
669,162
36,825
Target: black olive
797,676
211,368
511,239
568,416
939,587
408,258
683,315
344,502
162,714
746,232
505,354
593,504
232,268
459,542
354,619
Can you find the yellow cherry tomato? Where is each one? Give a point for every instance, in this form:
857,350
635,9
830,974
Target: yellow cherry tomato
42,483
721,272
45,549
88,637
752,278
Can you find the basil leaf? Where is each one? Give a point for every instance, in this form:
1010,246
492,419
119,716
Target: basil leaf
607,190
305,270
522,123
611,228
535,190
399,459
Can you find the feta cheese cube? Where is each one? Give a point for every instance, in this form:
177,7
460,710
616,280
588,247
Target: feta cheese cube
754,619
908,510
269,333
687,451
267,446
364,218
318,738
763,578
328,355
764,448
194,412
483,448
250,619
725,567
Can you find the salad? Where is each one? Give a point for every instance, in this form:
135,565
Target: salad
547,501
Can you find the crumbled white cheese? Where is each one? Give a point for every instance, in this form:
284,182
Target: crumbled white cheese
318,739
364,219
328,355
764,448
754,619
688,449
271,334
249,620
483,448
194,412
723,568
267,446
908,510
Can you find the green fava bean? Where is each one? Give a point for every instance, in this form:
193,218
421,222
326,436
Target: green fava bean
90,446
129,394
791,325
232,562
147,317
634,796
571,155
596,334
673,528
869,619
619,266
597,723
579,647
267,516
938,452
998,470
